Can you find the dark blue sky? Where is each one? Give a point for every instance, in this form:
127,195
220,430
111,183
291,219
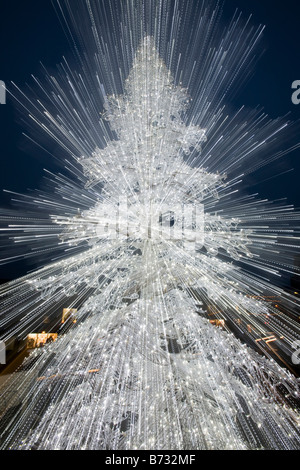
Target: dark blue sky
30,32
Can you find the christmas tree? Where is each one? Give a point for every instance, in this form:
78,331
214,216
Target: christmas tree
144,368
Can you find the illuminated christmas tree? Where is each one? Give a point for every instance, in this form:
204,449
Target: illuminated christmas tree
144,368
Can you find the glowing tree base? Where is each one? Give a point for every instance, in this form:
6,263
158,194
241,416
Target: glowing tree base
154,375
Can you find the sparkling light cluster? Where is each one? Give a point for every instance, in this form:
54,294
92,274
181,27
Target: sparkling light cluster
144,368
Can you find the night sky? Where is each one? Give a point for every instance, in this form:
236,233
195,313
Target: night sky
30,33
